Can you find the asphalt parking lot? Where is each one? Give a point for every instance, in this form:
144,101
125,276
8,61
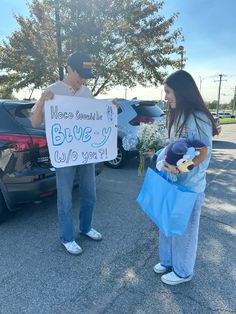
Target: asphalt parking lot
115,275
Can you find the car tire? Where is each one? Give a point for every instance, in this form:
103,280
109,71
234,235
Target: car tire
120,160
4,212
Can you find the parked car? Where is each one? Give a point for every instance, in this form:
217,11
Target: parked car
217,121
218,125
130,114
225,115
26,174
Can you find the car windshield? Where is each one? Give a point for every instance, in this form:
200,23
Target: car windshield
149,109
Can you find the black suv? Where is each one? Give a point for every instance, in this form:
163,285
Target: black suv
26,174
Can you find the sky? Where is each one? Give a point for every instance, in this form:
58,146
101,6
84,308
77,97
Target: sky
209,29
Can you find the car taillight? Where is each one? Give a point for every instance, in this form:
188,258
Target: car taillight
19,143
141,119
41,142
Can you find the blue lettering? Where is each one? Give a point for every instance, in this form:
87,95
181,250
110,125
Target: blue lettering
57,136
68,135
78,132
86,136
106,132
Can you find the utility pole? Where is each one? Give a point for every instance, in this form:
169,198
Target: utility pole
218,102
161,94
126,92
234,101
200,85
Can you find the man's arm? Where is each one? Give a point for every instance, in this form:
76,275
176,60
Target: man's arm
38,113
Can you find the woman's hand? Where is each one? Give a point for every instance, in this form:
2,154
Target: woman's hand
149,153
169,168
201,157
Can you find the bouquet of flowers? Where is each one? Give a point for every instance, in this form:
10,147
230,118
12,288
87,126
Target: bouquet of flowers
150,136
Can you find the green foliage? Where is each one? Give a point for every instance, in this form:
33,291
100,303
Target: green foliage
6,86
211,105
6,92
29,54
232,104
130,41
227,120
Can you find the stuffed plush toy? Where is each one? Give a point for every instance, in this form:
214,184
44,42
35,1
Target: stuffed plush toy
180,154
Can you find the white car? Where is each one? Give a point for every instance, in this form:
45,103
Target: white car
130,114
225,115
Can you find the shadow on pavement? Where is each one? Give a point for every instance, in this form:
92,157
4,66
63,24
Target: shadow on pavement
224,145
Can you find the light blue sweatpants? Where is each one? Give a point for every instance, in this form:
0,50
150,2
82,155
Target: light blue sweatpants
179,252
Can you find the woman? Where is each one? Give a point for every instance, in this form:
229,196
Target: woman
188,118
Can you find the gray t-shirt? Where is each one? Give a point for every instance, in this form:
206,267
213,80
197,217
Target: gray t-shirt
195,180
60,88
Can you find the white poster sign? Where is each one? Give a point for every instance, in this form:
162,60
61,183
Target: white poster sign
80,130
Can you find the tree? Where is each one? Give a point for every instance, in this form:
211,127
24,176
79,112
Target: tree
28,57
6,92
232,104
211,105
130,41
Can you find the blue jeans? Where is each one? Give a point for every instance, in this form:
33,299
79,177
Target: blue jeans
179,252
87,191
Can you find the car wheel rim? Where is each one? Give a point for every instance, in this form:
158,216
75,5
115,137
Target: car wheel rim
117,160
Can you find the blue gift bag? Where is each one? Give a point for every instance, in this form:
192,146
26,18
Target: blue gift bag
168,204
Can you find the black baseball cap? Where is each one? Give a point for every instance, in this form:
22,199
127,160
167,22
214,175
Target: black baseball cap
82,64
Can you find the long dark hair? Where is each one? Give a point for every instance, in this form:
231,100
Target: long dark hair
188,101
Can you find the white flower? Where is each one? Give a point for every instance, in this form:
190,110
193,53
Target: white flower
129,142
151,136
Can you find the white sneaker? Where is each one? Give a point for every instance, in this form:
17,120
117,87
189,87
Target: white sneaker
72,247
172,279
93,234
159,269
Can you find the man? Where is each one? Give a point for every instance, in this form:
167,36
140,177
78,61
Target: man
78,71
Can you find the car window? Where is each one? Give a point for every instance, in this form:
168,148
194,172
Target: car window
148,109
22,114
119,110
